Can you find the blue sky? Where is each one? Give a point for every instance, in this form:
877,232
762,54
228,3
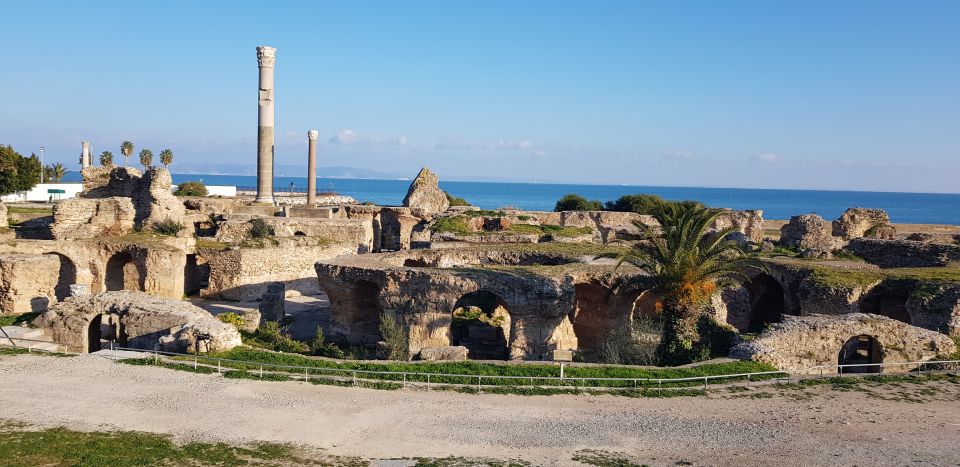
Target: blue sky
860,95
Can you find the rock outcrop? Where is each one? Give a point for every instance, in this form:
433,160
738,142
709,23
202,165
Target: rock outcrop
863,222
143,322
810,233
801,343
425,195
81,218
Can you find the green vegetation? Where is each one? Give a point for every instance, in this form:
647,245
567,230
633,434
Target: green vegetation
259,228
456,201
687,263
231,318
166,157
168,227
272,336
126,149
191,188
835,277
17,173
17,209
18,320
146,158
54,173
22,447
212,244
395,337
603,458
106,159
455,225
575,202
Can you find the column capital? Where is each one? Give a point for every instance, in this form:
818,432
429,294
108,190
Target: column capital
312,135
266,56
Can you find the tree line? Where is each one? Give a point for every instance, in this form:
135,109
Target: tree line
638,203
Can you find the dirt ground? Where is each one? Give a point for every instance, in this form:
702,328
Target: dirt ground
879,425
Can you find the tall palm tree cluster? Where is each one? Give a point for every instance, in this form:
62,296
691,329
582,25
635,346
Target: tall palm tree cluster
688,261
146,156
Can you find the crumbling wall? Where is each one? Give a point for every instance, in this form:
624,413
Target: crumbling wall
81,218
903,253
150,192
27,282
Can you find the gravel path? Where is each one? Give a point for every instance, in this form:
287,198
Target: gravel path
823,427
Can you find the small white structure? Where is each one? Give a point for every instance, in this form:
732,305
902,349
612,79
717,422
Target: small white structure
45,192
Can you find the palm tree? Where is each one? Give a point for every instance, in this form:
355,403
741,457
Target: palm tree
106,159
687,262
126,148
166,157
146,158
55,172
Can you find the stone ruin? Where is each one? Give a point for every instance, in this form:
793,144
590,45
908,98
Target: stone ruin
506,289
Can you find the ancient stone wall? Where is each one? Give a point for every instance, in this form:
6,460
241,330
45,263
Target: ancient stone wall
27,282
810,233
144,322
357,233
863,222
749,223
243,274
800,343
903,253
150,192
82,218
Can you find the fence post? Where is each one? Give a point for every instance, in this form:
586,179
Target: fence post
704,384
261,371
428,381
194,362
404,379
354,378
306,375
478,383
218,366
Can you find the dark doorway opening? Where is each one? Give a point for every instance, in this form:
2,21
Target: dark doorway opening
766,302
481,323
861,350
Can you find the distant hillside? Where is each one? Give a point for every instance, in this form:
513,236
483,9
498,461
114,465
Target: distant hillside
283,171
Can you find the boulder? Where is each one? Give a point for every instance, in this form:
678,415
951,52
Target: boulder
425,194
809,232
814,342
81,218
143,322
863,222
749,223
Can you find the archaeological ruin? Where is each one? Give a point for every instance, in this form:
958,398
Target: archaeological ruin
127,263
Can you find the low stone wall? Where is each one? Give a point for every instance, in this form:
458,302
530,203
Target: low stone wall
356,232
243,274
27,282
903,253
800,343
144,322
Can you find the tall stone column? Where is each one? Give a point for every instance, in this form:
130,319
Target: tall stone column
85,155
312,168
266,57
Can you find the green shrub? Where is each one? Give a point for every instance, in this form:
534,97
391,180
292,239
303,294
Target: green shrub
192,188
319,346
395,336
635,344
168,227
231,318
271,336
456,201
575,202
259,228
643,203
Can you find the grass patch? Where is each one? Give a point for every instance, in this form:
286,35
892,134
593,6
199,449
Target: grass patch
211,244
603,458
443,372
19,320
844,278
456,225
60,446
173,366
14,209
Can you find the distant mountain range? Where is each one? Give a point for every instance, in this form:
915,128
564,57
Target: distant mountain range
285,171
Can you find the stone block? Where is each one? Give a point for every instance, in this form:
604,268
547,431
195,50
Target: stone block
447,353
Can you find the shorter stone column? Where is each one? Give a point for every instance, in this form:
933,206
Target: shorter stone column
85,154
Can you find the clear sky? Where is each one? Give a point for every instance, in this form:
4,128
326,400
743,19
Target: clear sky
860,95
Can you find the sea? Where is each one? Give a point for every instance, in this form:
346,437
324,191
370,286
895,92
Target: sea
913,208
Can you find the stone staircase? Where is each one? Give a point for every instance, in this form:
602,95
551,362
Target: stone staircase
28,338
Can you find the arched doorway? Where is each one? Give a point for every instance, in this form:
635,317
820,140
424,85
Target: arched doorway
766,302
366,323
123,273
66,277
196,275
103,329
481,323
860,350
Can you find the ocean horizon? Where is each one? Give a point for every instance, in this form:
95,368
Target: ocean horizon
911,208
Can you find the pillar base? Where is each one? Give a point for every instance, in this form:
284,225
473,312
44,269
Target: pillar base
264,201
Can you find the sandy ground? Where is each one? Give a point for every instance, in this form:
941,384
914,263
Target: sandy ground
814,427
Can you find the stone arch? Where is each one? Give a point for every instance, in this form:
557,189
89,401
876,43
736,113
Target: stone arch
859,350
767,303
481,323
103,328
887,301
196,275
66,277
122,273
366,324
